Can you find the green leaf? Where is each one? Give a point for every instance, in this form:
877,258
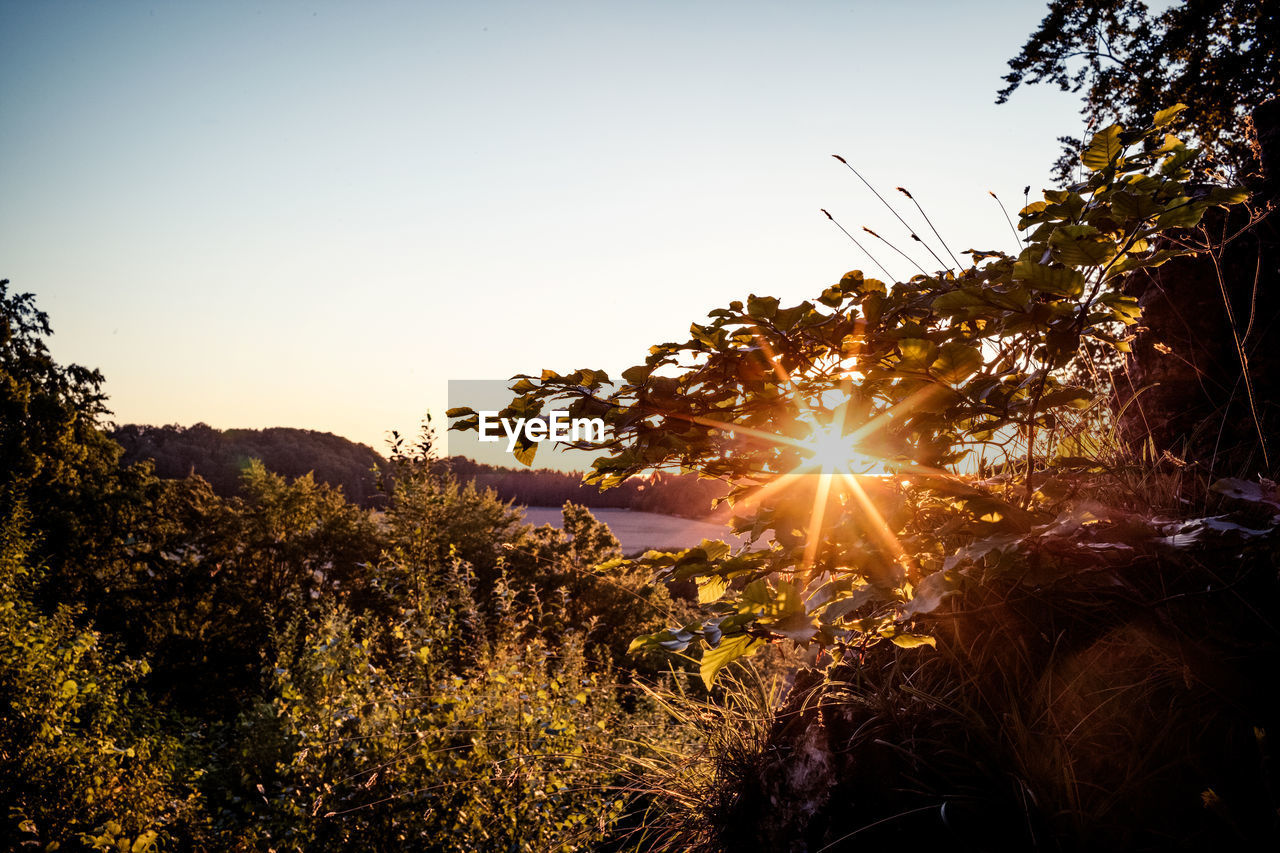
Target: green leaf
788,317
1081,246
729,650
763,307
1167,115
1103,149
524,453
929,593
714,549
1060,280
711,588
955,362
1228,195
832,296
799,627
913,641
1181,213
1123,307
1136,262
1132,205
1076,398
958,302
917,352
1033,208
638,374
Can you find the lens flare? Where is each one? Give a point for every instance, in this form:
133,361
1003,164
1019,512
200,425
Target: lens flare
833,452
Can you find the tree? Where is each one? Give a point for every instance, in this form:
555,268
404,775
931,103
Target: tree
840,424
1219,58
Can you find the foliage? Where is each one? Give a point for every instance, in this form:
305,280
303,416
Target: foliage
907,380
1097,685
54,459
78,756
1218,58
284,669
222,456
374,738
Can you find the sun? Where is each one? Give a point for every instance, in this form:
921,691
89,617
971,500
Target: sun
833,452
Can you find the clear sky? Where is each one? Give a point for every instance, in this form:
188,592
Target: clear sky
316,214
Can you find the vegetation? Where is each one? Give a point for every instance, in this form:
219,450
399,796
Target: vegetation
222,457
998,590
1218,58
283,669
790,405
974,609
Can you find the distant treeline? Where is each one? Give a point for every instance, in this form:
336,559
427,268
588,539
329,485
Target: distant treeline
221,457
685,495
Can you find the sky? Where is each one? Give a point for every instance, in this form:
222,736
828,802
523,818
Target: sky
317,214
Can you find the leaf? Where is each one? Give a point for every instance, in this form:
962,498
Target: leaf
1244,490
459,412
1063,281
832,296
913,641
1103,149
714,548
1228,195
1137,262
1123,307
844,606
955,362
711,588
638,374
729,650
1131,205
1076,398
958,302
1166,115
1181,213
929,593
763,307
524,452
1081,246
797,626
917,352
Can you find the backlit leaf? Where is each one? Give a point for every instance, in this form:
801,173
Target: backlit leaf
729,650
1103,149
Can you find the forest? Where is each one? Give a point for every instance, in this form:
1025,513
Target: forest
220,458
1011,578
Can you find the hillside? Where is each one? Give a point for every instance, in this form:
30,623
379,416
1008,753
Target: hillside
221,456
